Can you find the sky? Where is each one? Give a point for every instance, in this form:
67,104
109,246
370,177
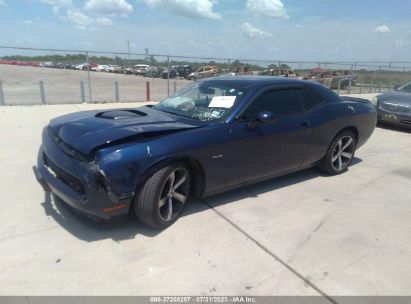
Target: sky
317,30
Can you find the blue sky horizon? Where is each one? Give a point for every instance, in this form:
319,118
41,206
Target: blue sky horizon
311,30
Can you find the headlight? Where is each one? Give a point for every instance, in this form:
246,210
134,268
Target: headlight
374,101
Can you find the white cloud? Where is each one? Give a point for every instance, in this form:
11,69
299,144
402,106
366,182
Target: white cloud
109,7
28,22
382,29
267,8
81,20
57,5
104,21
250,31
2,3
187,8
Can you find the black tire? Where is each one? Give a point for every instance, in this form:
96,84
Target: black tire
157,190
336,161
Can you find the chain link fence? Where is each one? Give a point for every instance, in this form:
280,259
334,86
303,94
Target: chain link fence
53,76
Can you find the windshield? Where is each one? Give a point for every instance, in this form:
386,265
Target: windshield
405,88
205,101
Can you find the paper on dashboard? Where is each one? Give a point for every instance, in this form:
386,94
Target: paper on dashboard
222,102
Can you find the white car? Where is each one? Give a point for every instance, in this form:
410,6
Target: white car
113,68
81,66
100,68
140,69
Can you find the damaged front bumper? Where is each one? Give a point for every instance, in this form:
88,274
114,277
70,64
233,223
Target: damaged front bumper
76,184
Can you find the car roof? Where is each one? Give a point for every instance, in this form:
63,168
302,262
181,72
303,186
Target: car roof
258,81
249,80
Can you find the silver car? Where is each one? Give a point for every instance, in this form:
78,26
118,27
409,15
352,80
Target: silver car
394,107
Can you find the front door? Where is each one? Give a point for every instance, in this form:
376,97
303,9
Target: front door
262,149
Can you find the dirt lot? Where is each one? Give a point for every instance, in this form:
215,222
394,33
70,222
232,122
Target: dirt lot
303,234
21,86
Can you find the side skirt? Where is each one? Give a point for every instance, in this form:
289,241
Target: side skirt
255,181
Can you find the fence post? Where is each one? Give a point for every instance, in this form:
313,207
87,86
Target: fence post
279,68
83,96
229,66
2,101
42,93
116,90
168,75
175,85
88,79
148,91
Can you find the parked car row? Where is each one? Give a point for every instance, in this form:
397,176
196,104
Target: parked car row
333,79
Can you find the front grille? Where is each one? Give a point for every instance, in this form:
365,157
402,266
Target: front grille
395,107
63,175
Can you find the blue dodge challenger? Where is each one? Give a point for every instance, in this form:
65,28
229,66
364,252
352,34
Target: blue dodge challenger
211,136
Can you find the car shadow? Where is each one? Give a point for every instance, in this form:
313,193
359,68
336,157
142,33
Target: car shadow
129,227
254,190
90,230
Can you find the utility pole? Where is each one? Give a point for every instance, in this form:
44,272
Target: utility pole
128,45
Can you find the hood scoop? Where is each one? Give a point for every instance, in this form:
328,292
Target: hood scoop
121,114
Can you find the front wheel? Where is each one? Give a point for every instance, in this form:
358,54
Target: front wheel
340,153
163,197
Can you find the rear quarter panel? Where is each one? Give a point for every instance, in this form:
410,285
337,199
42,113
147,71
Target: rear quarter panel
331,118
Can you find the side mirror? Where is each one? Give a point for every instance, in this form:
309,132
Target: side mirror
396,87
266,117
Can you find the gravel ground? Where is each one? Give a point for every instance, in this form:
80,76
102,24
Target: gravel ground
21,86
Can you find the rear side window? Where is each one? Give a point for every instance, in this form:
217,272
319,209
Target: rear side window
310,99
279,102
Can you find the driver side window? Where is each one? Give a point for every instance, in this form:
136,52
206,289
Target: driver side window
279,102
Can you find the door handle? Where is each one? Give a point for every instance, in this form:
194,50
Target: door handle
305,123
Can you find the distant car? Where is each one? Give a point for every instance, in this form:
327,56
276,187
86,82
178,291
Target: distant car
154,72
282,73
113,68
172,74
182,71
213,135
332,78
141,69
100,68
48,64
394,107
70,66
203,72
81,66
127,70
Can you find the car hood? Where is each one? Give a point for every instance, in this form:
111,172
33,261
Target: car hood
396,96
89,130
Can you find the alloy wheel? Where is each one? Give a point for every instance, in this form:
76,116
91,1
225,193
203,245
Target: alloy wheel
174,194
343,153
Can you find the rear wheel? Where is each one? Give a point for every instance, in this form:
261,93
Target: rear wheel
163,197
339,154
